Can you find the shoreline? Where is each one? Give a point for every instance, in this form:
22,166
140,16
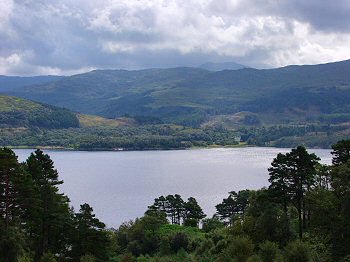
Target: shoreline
59,148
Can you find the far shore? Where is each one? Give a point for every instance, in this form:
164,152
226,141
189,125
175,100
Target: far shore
61,148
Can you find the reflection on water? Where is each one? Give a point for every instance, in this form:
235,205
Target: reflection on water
120,185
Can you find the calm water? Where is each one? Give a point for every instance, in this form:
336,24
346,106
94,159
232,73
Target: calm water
120,185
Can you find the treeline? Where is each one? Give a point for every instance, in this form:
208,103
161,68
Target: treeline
125,137
168,136
303,215
289,135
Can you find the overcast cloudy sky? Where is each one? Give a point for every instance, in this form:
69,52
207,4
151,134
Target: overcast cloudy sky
71,36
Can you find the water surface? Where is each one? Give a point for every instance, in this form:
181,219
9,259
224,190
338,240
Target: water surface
120,185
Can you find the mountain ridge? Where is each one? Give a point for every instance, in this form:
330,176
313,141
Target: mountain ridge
189,95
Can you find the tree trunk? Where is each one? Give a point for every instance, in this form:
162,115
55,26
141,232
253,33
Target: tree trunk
7,204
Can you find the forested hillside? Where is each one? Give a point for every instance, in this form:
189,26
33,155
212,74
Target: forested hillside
281,107
24,123
191,96
17,112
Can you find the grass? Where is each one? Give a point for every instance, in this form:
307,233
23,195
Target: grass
97,121
192,232
10,104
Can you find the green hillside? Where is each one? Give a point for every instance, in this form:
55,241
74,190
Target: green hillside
17,112
190,96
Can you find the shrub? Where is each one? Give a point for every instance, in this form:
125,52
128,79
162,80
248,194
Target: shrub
268,251
178,241
298,251
87,258
48,257
241,248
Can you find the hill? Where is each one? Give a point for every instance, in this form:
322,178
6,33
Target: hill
7,83
191,96
17,112
221,66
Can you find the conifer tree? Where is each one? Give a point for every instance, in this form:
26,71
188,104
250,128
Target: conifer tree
53,218
90,236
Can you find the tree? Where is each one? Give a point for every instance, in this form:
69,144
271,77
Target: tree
340,181
279,180
193,211
90,236
303,169
13,182
171,205
341,152
234,204
49,232
291,176
175,208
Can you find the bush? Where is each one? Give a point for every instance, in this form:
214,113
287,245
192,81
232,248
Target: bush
178,241
209,224
268,251
11,243
241,248
87,258
297,251
26,258
48,257
255,258
205,247
190,222
164,248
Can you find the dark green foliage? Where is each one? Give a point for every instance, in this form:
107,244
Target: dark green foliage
341,152
52,217
310,134
10,179
48,257
235,204
240,249
120,138
177,210
12,243
268,251
298,251
179,241
193,212
90,236
87,258
291,176
209,224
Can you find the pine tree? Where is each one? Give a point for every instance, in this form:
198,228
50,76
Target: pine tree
341,152
193,211
53,218
291,176
90,236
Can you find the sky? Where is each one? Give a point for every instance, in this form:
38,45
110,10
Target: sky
64,37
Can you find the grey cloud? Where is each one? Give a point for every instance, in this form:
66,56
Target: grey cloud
66,36
322,15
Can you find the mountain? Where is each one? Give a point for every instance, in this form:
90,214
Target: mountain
17,112
192,95
7,83
221,66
